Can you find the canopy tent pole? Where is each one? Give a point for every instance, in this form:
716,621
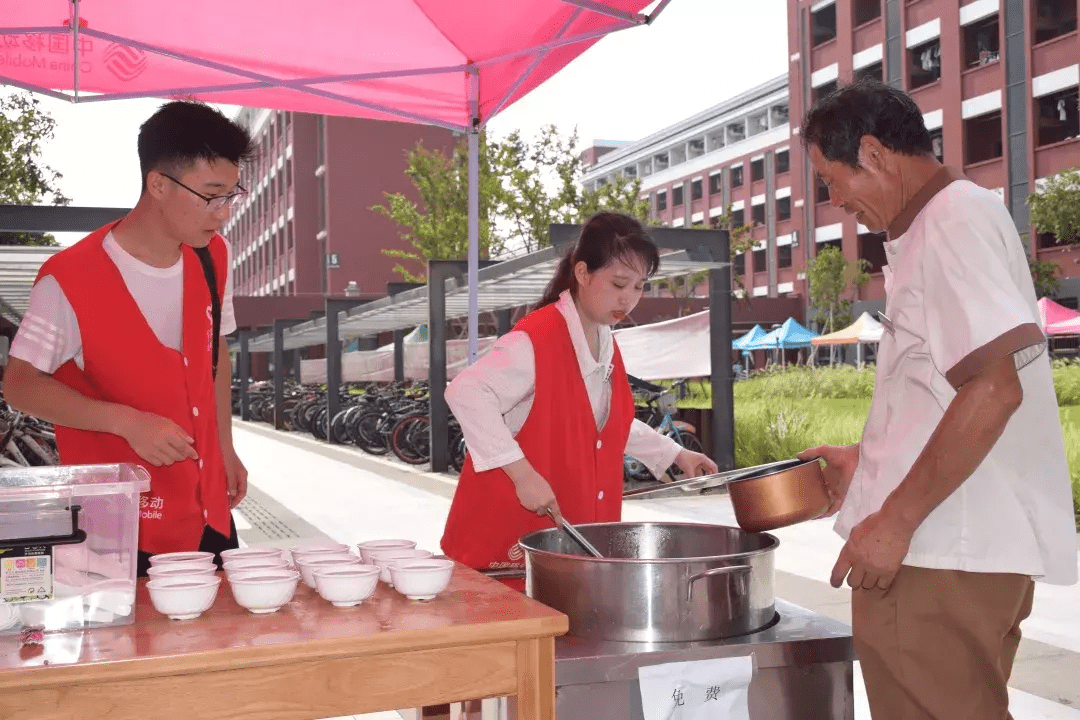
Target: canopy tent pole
474,214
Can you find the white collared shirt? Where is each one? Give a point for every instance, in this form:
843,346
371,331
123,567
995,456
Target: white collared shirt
960,298
492,398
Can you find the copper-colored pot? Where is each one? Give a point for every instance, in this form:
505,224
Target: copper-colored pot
779,495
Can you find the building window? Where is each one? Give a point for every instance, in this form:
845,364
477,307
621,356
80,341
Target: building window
676,196
924,64
716,184
779,114
871,72
757,169
695,190
783,208
660,162
740,263
981,42
822,191
866,10
1054,18
695,148
738,218
759,261
823,25
872,250
982,138
783,162
823,91
758,123
757,214
736,176
783,256
937,143
736,131
661,200
1059,117
838,244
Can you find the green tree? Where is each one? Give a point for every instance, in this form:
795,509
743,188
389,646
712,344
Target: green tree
438,226
24,179
830,277
623,195
1044,276
1056,208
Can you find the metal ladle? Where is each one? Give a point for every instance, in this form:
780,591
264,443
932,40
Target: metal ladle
574,533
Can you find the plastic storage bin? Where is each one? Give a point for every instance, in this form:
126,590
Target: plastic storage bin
68,545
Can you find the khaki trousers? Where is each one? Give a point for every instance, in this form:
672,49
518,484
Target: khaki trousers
940,644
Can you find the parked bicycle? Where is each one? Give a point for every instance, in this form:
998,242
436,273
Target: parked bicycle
657,407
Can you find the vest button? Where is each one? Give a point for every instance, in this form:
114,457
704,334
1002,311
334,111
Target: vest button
195,411
200,467
599,444
600,496
185,362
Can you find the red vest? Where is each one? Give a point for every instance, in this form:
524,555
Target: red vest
584,466
125,363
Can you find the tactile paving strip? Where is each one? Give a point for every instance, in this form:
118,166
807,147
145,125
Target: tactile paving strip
270,521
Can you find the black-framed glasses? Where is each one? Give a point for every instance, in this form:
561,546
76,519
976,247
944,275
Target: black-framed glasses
214,203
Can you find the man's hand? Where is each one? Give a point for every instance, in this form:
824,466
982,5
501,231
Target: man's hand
873,553
693,464
156,439
840,464
236,476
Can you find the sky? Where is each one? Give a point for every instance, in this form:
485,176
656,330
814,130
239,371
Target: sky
697,54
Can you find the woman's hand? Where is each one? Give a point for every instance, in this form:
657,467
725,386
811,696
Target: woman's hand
693,464
533,491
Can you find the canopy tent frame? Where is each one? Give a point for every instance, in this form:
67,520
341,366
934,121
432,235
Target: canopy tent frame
307,85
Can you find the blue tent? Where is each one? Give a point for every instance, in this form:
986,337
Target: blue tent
740,343
788,336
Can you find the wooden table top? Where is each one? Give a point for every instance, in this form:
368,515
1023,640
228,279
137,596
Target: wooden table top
472,610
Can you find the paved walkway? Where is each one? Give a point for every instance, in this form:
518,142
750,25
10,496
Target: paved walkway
302,488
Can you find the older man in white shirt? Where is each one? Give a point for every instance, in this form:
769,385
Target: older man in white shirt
957,495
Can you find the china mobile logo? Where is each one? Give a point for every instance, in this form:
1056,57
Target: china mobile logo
515,552
126,63
150,507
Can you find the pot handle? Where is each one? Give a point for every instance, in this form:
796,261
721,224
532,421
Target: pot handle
710,573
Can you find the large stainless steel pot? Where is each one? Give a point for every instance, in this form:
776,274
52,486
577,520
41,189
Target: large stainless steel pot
657,582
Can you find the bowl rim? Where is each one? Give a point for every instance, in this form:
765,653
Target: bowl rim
202,581
174,557
381,554
255,562
329,561
253,550
177,569
261,577
382,544
350,569
317,546
433,565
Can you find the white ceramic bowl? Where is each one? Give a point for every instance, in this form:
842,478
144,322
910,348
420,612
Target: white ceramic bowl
251,553
184,597
365,548
232,566
422,579
263,590
383,558
346,585
309,564
180,568
315,547
204,557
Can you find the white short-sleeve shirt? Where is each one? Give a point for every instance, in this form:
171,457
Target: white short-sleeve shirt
959,297
49,335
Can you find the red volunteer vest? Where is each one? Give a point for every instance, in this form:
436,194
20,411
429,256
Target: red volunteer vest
584,466
125,363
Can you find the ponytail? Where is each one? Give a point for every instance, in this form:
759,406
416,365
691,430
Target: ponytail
564,277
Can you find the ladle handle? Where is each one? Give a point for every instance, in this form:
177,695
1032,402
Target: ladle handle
573,532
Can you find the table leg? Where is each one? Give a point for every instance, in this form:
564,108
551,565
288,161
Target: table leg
536,679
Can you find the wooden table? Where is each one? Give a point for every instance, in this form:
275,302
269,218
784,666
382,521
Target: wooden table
308,660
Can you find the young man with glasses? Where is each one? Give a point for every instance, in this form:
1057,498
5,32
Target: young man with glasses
118,348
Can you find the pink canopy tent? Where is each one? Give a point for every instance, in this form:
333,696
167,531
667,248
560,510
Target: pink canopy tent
1054,315
452,63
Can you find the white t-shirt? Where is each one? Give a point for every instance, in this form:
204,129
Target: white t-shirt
49,332
959,297
492,398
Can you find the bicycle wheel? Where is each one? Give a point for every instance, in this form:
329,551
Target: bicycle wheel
411,441
317,423
370,435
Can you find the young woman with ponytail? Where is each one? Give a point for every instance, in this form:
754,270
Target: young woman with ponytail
548,413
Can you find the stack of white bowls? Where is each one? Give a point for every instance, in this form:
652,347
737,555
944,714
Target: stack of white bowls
260,578
413,572
335,573
182,585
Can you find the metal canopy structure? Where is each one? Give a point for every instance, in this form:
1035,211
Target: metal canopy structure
19,266
508,284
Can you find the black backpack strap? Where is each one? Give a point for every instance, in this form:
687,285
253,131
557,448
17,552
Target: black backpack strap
215,299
